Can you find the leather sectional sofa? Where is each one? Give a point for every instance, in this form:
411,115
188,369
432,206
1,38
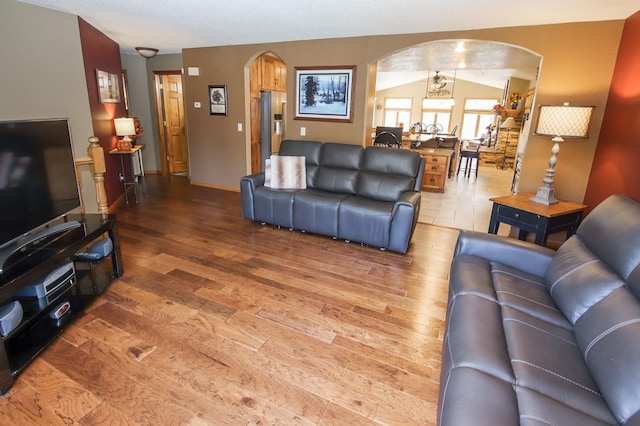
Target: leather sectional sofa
370,196
538,337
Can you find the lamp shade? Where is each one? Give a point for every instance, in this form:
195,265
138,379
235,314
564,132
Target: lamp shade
509,123
147,52
564,120
125,126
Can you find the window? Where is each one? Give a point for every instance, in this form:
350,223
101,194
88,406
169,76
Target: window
478,117
437,111
396,111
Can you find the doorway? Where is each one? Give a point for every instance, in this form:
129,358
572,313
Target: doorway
267,88
171,123
491,71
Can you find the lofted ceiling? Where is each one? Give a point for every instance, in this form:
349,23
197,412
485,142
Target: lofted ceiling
483,62
171,26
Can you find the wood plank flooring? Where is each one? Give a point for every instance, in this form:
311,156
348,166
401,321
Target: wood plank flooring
222,321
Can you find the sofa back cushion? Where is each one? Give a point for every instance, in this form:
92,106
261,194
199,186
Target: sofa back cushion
612,232
339,168
595,280
598,259
577,279
310,150
387,173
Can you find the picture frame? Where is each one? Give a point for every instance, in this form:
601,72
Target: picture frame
108,87
325,93
218,100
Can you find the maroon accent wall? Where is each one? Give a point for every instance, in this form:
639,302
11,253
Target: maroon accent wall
616,164
100,52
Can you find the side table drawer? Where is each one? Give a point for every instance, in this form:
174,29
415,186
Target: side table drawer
515,216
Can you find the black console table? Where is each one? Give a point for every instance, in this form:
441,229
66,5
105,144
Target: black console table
37,329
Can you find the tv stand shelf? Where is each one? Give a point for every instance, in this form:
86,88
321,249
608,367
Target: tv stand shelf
37,329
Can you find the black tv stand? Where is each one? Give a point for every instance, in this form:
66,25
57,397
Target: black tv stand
92,277
30,241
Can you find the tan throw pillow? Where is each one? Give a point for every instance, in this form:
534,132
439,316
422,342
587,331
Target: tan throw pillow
286,172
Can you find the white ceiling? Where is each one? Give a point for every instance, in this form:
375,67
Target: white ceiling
170,26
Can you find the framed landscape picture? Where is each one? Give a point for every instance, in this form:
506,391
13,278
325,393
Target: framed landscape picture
108,87
325,93
218,100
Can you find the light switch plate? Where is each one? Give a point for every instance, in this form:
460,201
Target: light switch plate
303,131
239,127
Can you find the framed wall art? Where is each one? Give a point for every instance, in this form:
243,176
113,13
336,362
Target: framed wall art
218,100
108,87
325,93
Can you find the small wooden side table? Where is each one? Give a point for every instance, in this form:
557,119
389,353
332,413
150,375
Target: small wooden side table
517,210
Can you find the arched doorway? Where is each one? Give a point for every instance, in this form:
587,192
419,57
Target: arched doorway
267,92
472,70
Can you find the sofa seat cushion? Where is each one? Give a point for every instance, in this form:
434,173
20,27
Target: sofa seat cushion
527,293
609,336
486,400
274,206
356,211
317,211
502,323
547,360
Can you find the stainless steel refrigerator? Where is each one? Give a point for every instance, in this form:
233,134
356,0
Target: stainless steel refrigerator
272,123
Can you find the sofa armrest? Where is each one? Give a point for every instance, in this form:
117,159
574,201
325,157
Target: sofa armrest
255,180
248,184
404,218
409,198
527,257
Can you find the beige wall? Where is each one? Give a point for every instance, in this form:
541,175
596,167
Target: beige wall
578,61
463,90
43,74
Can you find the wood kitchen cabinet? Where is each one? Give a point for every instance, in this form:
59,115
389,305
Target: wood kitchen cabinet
274,74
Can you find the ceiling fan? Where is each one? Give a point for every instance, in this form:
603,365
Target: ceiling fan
438,86
439,81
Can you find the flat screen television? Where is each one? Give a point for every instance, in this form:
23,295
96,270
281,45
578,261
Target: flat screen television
38,182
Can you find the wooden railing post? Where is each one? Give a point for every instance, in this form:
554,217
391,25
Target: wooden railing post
98,169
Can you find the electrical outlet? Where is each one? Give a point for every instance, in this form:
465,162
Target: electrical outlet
303,131
197,104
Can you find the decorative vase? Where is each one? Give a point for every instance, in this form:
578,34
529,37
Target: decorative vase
123,145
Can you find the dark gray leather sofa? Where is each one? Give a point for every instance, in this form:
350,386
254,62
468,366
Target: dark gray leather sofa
370,195
537,337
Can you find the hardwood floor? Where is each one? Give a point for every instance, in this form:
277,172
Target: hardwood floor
219,320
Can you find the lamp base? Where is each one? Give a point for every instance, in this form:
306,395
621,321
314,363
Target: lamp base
545,195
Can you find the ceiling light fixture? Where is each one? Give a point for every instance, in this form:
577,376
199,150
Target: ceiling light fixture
147,52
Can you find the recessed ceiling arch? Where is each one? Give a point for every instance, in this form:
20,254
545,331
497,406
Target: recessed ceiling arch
487,62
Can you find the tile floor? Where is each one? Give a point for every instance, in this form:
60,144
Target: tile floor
465,203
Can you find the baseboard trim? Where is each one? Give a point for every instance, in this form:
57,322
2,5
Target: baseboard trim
208,185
